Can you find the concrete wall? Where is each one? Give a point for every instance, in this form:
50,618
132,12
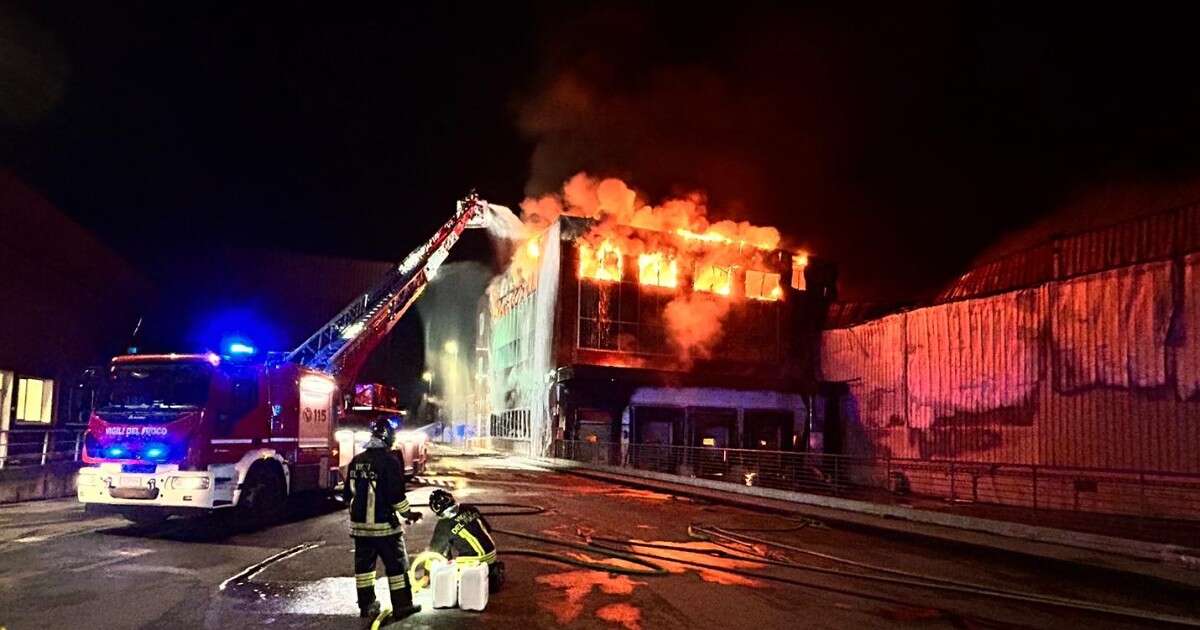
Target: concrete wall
38,482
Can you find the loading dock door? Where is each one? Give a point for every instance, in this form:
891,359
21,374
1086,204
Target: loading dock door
596,435
767,430
657,436
712,430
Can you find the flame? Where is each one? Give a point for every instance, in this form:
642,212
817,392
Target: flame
767,239
666,239
655,269
799,263
533,249
603,263
763,285
713,279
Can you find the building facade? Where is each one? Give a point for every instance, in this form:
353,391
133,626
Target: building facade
583,356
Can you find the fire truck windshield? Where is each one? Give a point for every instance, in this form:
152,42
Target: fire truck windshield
155,386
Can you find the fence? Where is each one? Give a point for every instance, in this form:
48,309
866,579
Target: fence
39,447
1138,504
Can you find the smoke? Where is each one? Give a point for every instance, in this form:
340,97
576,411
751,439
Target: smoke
449,310
694,323
896,141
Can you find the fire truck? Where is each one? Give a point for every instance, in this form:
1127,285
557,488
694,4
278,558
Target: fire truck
376,401
192,433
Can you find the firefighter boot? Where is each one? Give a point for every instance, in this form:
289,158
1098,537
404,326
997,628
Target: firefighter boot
401,592
495,576
370,611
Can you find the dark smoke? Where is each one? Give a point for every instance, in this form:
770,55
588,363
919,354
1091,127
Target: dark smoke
899,142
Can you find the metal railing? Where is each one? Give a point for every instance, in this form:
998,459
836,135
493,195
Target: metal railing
1138,504
39,447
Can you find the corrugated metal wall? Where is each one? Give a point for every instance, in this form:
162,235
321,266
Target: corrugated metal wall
1097,368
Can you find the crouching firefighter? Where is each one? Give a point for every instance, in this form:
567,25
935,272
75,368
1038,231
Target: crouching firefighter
375,491
464,536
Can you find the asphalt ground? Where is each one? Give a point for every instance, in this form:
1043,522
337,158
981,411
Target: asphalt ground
61,567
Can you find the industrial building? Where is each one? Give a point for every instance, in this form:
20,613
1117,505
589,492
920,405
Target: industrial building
578,346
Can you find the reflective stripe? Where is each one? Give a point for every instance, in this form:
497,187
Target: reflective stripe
471,540
402,506
370,515
474,560
373,530
397,581
363,580
232,441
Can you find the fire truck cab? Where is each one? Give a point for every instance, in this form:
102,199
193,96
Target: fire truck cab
373,401
182,433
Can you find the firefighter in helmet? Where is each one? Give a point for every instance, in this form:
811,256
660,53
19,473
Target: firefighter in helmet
463,535
375,491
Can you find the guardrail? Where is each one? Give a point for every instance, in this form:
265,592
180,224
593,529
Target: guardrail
1088,499
38,447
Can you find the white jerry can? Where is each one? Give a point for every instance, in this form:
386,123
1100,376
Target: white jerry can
443,580
473,587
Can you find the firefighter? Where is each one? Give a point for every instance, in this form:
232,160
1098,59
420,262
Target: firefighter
464,536
375,491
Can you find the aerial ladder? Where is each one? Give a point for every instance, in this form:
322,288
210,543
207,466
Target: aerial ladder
340,346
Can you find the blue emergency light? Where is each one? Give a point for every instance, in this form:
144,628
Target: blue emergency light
114,451
240,348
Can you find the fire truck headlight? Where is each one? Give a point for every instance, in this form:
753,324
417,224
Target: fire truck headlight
189,483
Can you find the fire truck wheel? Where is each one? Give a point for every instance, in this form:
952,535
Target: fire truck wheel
263,496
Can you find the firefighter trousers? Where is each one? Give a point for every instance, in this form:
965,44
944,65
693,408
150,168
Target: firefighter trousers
391,550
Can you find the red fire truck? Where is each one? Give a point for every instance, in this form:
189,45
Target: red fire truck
191,433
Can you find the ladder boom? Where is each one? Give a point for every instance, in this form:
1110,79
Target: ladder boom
342,344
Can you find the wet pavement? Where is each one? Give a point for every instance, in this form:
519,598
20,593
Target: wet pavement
60,567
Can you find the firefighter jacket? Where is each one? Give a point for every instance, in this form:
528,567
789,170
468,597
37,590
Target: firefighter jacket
466,535
375,491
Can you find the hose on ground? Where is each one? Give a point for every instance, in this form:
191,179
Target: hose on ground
648,568
605,546
906,578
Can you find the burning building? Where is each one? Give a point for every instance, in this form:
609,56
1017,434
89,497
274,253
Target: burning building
622,322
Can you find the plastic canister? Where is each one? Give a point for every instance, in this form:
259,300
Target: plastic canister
473,587
443,580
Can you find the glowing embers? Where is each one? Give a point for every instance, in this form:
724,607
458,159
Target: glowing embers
603,263
658,270
713,279
763,285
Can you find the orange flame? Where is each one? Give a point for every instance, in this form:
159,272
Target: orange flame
763,285
655,269
714,279
605,263
724,259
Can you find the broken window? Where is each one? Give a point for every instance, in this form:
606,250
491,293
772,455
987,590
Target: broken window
763,285
713,279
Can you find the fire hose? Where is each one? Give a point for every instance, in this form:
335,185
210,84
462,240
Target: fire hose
898,577
730,538
647,567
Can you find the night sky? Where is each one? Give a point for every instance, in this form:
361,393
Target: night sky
900,142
